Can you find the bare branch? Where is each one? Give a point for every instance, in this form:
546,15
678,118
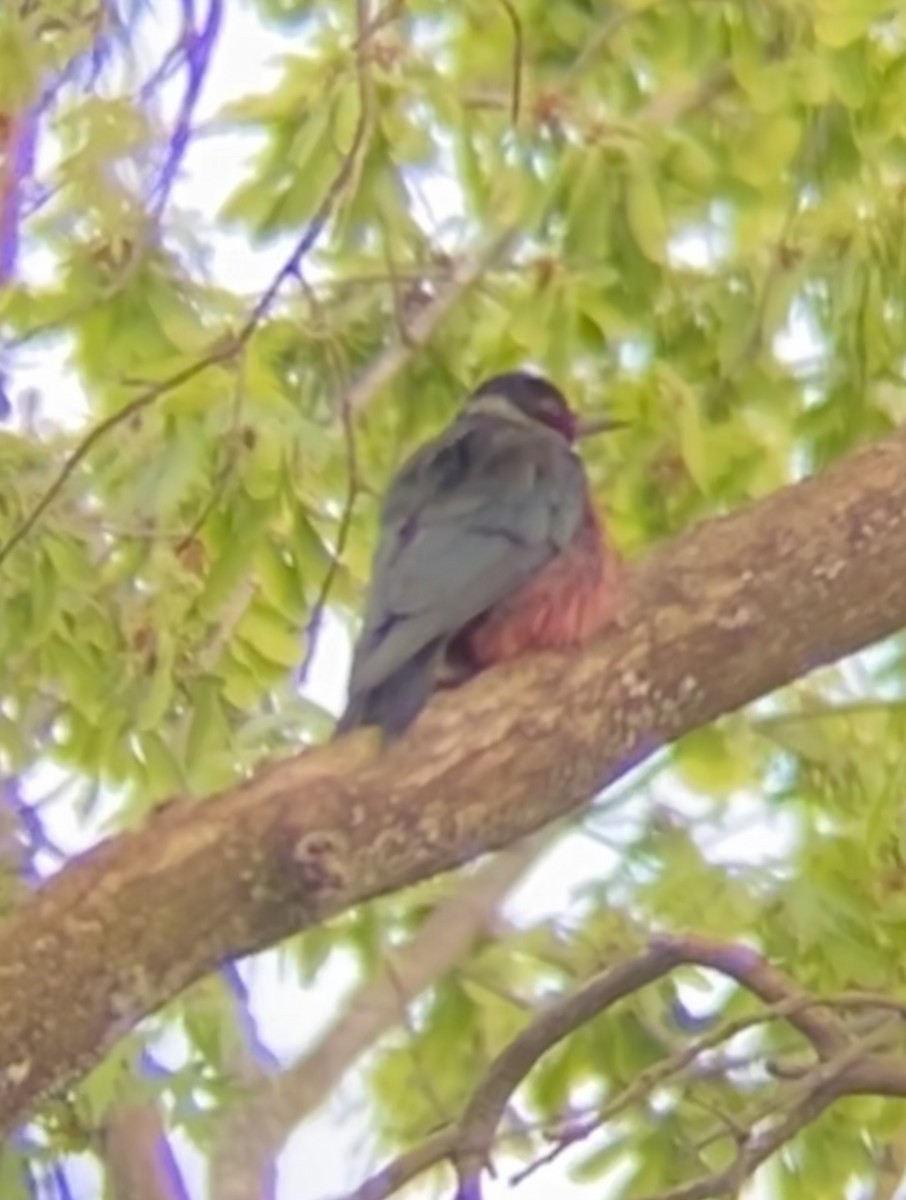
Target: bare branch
242,1162
675,1065
821,1087
408,1166
469,1145
478,1125
743,964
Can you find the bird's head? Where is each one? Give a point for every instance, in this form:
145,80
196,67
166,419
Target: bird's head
520,396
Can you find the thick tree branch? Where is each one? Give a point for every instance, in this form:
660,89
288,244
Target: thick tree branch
735,609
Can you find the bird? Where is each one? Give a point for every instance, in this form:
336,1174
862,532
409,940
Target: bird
489,548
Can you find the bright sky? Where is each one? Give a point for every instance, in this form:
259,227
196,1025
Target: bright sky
330,1154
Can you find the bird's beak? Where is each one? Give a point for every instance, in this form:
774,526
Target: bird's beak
589,428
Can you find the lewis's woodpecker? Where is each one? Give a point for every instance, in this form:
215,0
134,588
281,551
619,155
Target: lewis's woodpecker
490,547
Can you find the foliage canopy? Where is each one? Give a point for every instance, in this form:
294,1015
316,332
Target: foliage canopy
690,213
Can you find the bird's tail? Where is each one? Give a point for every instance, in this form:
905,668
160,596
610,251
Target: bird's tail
395,702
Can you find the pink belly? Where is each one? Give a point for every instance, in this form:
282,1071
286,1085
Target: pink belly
567,602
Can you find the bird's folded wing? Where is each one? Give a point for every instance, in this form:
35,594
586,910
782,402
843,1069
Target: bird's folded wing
465,525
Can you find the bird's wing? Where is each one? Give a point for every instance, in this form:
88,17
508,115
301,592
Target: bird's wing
469,519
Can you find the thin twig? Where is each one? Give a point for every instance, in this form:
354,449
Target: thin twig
518,60
221,351
476,1131
408,1166
388,365
484,1110
675,1064
227,467
823,1085
608,30
315,620
482,1114
195,48
751,971
387,15
323,213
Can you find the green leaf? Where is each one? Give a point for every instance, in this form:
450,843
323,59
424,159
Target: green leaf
261,476
270,635
694,439
70,562
645,212
712,763
156,692
15,1182
164,774
44,599
20,79
768,149
231,565
585,187
209,741
275,570
109,1082
840,22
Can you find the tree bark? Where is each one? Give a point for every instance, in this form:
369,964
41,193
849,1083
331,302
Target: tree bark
722,615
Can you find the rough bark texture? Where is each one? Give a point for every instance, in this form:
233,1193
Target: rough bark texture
730,611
